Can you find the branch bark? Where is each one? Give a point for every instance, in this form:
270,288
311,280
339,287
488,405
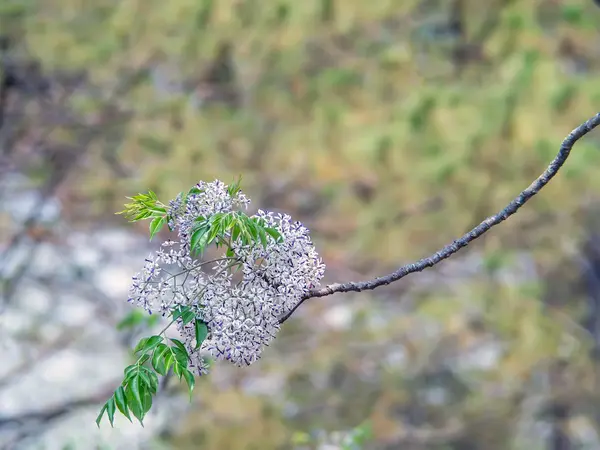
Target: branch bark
467,238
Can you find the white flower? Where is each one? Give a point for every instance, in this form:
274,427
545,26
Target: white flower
242,317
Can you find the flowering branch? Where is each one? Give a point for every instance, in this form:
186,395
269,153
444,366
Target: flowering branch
467,238
214,312
231,318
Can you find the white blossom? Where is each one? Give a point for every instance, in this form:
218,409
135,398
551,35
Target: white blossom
242,316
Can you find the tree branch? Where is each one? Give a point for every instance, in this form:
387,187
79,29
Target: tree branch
479,230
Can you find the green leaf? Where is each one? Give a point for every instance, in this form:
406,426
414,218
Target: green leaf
150,378
224,221
156,225
274,233
121,402
146,402
181,358
263,236
147,344
229,222
244,234
179,345
216,228
199,239
189,379
99,418
141,344
154,379
236,230
229,253
195,190
130,371
187,316
253,229
110,411
250,232
143,206
143,359
201,332
234,187
141,216
157,211
185,313
135,406
147,381
178,311
178,370
158,358
135,390
169,360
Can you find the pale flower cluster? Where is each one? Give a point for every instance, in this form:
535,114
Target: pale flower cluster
241,310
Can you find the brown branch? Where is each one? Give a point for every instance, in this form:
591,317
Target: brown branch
466,239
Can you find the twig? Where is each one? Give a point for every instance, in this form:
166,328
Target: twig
479,230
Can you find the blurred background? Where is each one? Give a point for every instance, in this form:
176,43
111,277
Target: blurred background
388,127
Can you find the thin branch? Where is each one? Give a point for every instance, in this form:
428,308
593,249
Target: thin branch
466,239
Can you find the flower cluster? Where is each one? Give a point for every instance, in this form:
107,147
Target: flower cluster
241,309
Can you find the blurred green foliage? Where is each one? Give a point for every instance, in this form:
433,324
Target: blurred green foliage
355,115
